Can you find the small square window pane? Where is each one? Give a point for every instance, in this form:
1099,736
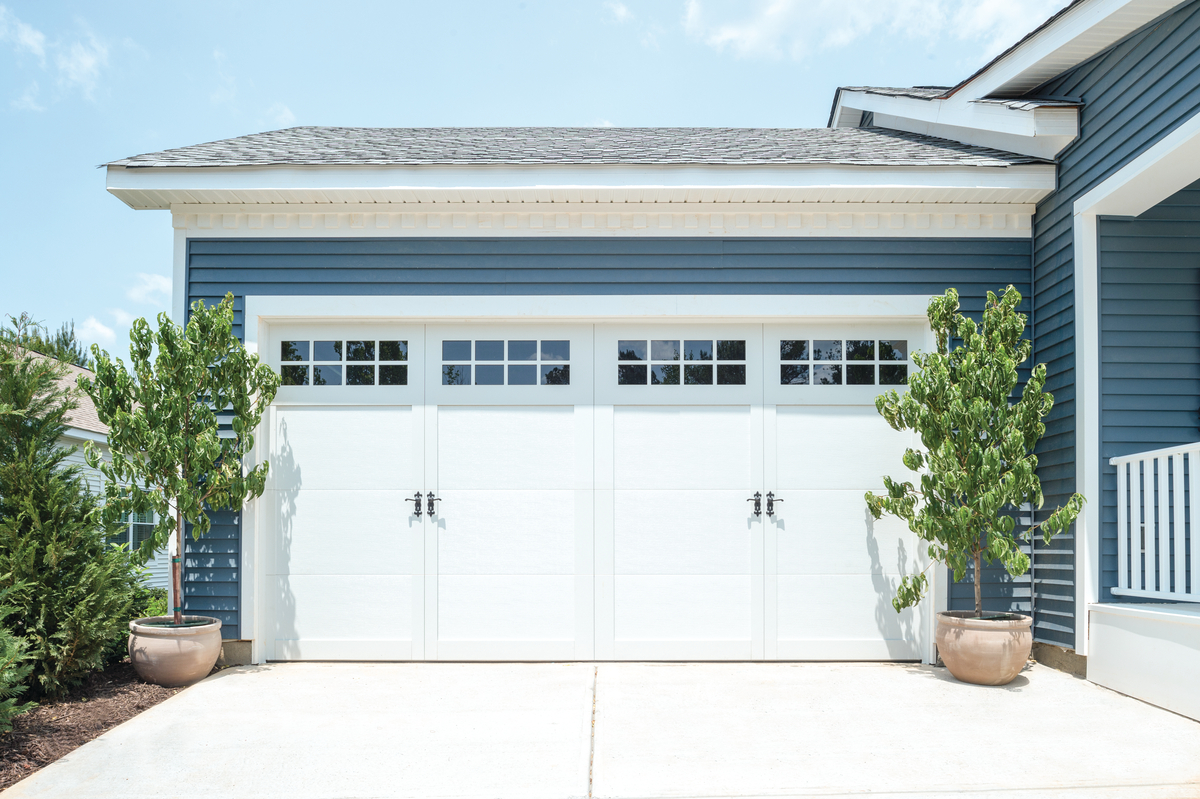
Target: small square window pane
698,351
293,375
860,375
701,375
893,350
327,351
456,351
393,375
631,351
360,375
293,351
490,375
729,375
141,534
456,374
824,375
360,350
523,375
893,375
793,350
393,350
664,350
731,351
827,351
793,375
860,350
662,374
634,375
327,375
556,375
556,350
488,351
522,351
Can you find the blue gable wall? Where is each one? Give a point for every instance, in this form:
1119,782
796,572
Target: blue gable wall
1134,94
1149,343
580,266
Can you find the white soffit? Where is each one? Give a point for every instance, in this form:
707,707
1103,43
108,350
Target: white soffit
162,188
1080,33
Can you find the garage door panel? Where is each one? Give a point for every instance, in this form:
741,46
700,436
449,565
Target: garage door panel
825,446
330,447
852,607
507,532
506,447
693,447
831,532
329,532
682,607
515,607
342,607
682,532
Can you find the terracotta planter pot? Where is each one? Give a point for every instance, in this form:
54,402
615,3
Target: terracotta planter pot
174,656
984,651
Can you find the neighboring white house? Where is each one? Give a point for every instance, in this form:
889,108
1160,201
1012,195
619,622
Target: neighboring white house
84,425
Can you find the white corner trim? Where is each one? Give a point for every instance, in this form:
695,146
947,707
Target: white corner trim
179,269
261,309
1087,422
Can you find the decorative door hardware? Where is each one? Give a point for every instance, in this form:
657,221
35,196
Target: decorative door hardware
771,500
431,499
757,500
416,501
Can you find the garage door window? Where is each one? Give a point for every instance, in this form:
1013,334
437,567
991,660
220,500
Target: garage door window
499,362
344,362
691,362
837,362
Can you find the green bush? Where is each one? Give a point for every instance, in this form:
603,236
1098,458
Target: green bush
146,602
15,669
70,591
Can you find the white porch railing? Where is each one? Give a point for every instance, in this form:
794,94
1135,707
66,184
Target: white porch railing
1158,495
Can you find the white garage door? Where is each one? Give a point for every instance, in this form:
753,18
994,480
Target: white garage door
600,491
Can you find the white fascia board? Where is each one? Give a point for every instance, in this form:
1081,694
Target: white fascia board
1079,34
160,188
1040,146
79,434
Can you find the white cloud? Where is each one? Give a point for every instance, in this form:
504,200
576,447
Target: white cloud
23,37
79,64
93,331
620,11
604,123
153,289
280,114
122,317
28,101
799,28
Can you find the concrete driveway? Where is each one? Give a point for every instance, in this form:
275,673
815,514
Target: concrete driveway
632,730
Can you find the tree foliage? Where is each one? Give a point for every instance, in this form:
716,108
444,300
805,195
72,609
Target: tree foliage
977,466
181,420
15,669
60,344
69,590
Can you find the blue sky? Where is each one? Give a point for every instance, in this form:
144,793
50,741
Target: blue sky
83,86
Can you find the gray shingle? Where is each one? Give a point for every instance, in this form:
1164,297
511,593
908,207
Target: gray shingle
305,146
919,92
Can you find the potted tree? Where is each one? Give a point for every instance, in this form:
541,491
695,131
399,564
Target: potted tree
977,468
181,421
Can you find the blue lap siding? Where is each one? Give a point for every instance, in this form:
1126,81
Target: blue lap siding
1150,343
545,266
1134,94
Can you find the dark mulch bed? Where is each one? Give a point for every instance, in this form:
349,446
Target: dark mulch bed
52,729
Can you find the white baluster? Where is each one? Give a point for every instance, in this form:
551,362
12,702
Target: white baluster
1177,521
1122,527
1161,528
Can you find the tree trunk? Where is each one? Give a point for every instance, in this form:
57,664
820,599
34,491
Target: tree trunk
177,568
978,588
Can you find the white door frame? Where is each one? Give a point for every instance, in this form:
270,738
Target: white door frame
261,312
1147,180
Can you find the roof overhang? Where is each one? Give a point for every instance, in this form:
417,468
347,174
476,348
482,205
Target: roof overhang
163,188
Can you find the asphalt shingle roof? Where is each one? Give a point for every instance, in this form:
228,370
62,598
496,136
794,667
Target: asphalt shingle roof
310,146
